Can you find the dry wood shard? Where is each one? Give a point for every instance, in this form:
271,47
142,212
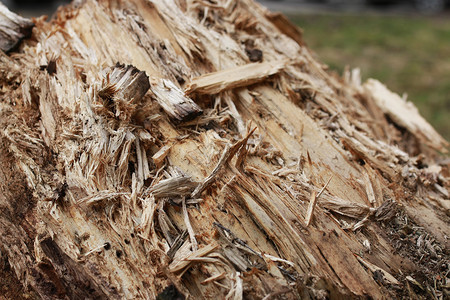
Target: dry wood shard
179,185
174,102
405,114
374,269
311,206
312,203
214,83
159,156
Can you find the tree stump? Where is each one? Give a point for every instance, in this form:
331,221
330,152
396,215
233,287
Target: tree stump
196,149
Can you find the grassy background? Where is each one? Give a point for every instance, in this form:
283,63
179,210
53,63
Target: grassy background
408,54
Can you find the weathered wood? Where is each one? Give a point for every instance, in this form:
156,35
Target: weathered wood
122,90
196,180
13,29
174,102
126,83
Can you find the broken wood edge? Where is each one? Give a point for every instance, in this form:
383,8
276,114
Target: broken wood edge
283,24
405,114
174,101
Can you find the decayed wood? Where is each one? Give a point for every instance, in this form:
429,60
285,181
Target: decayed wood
13,29
178,166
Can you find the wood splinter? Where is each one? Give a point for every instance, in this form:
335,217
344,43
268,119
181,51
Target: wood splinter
216,82
373,268
227,154
313,202
190,230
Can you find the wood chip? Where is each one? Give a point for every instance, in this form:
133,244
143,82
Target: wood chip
176,186
214,83
158,157
125,82
405,114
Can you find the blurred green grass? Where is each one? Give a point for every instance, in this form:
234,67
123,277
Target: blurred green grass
410,54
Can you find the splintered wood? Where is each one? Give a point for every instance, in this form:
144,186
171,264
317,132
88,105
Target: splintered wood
312,203
174,102
405,114
189,161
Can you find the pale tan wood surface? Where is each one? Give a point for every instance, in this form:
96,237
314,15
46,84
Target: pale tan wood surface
158,158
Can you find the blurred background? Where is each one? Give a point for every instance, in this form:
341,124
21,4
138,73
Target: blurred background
33,8
403,43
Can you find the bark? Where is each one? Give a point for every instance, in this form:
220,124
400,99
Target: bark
175,149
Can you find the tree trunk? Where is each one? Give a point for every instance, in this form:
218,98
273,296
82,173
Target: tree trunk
172,149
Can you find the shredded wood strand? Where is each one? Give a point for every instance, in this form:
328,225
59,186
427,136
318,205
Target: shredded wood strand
189,227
